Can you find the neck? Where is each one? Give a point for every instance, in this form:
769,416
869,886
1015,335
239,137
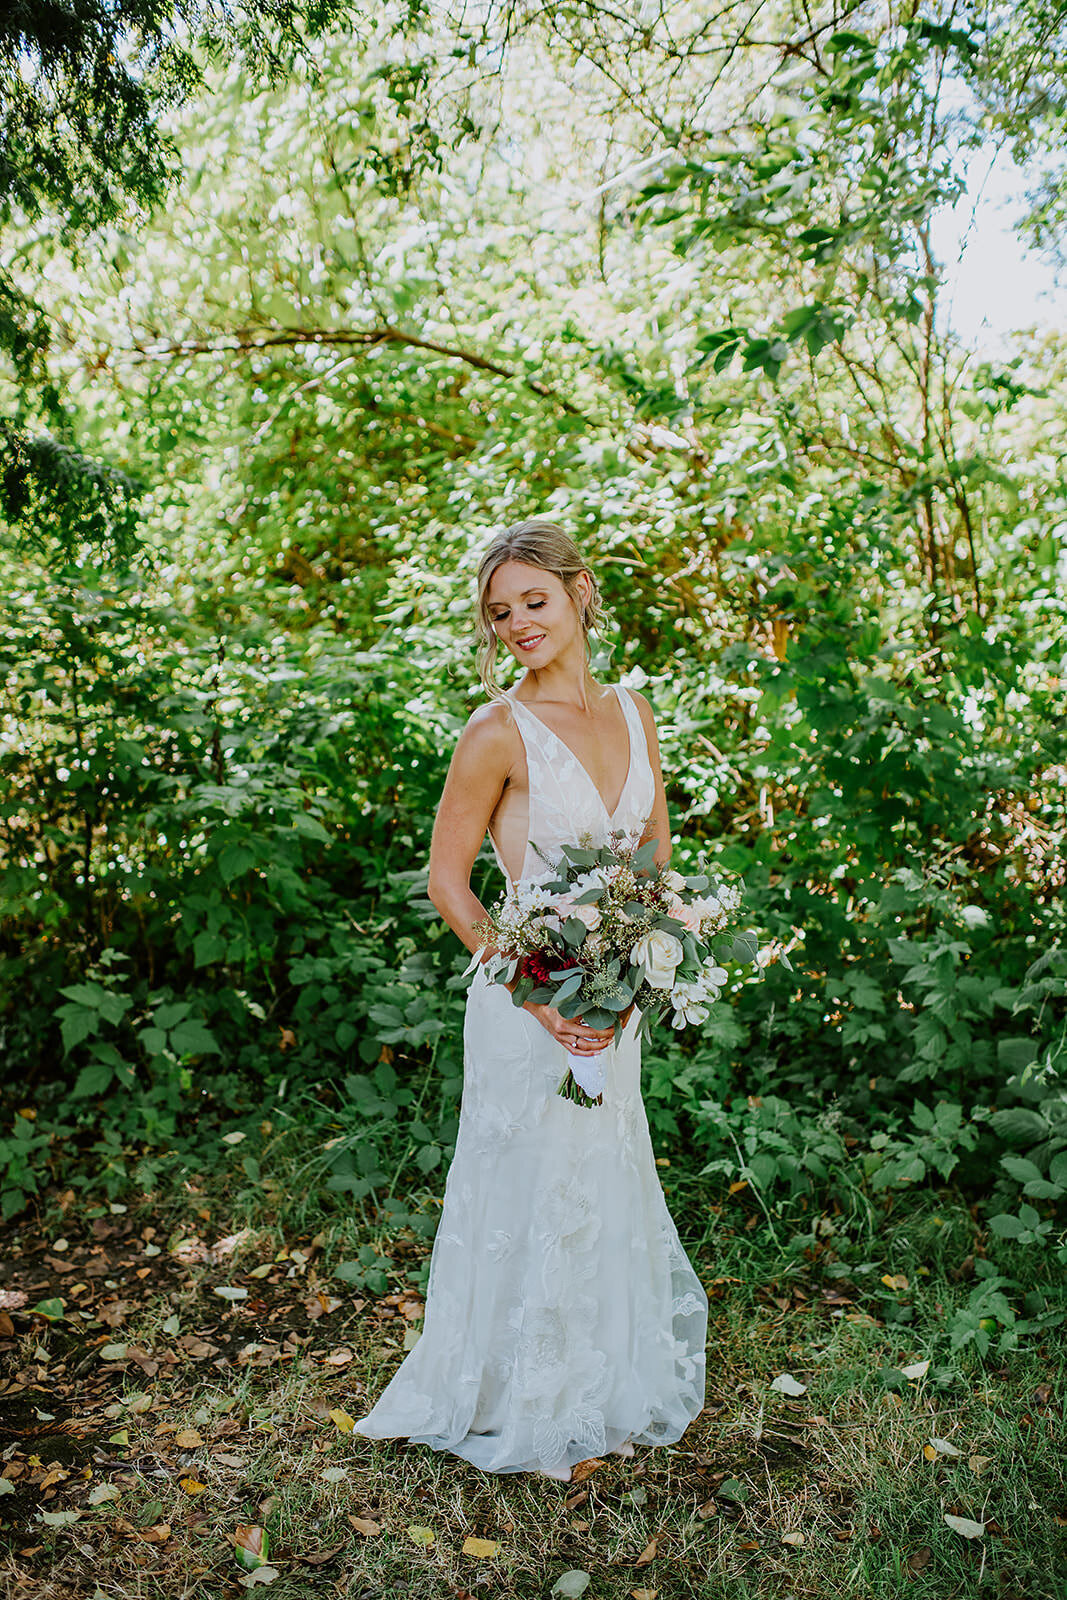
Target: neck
566,680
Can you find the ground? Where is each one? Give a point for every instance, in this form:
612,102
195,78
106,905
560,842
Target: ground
176,1401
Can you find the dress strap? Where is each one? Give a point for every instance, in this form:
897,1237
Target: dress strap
638,736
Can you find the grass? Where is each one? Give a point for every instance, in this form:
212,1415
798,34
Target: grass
838,1491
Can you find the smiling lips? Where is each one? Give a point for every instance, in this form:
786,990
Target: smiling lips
531,643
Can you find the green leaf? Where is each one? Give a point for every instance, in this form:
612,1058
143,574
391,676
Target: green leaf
1017,1125
76,1026
1021,1169
1014,1054
235,860
85,994
1006,1226
428,1157
92,1079
192,1038
51,1310
208,947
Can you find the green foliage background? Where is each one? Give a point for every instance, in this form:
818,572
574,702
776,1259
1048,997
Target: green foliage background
413,277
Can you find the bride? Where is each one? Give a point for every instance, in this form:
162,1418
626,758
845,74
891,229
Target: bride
563,1318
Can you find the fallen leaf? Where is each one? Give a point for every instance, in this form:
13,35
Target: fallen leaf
643,1594
250,1547
121,1437
918,1369
941,1447
364,1525
157,1535
344,1422
978,1464
192,1486
480,1547
919,1558
647,1554
793,1538
340,1357
585,1469
113,1352
334,1475
101,1492
894,1280
50,1310
423,1536
6,1486
260,1575
571,1584
785,1383
188,1439
59,1519
228,1291
964,1525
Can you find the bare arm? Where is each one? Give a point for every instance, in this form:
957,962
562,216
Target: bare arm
659,824
480,766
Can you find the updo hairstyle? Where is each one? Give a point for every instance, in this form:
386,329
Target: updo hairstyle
538,543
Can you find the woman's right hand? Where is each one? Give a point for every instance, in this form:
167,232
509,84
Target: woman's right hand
572,1034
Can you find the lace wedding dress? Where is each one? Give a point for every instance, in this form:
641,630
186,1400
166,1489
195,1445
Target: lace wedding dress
563,1316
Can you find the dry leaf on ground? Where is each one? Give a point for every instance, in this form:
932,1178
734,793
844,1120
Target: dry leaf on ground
480,1547
965,1526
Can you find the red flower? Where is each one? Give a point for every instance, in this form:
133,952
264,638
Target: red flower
540,965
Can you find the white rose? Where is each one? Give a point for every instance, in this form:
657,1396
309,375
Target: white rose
674,880
590,915
659,953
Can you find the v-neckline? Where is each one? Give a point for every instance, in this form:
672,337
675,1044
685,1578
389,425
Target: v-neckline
611,815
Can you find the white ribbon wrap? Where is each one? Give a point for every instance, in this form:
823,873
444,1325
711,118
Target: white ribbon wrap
589,1071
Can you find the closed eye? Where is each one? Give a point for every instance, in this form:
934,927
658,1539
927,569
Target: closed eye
502,616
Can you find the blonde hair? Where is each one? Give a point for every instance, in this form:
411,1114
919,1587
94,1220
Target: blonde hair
537,543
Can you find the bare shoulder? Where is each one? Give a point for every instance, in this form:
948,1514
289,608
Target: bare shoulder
643,706
490,734
494,720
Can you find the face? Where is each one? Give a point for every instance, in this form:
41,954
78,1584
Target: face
531,612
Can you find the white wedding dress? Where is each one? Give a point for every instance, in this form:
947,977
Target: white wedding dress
563,1316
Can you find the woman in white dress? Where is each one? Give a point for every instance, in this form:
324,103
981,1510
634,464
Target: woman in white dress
563,1318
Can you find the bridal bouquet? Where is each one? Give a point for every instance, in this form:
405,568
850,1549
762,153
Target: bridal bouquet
606,930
